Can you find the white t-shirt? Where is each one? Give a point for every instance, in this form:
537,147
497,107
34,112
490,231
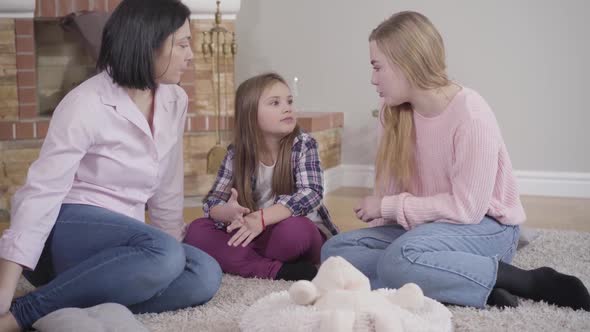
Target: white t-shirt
263,193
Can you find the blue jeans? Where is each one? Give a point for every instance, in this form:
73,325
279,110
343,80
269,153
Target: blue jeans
94,256
455,264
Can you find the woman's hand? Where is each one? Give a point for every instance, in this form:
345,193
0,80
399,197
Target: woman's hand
369,208
9,274
248,230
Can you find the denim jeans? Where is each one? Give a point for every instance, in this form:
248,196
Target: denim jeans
452,263
94,255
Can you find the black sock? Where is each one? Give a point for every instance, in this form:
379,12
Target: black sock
297,271
502,298
544,284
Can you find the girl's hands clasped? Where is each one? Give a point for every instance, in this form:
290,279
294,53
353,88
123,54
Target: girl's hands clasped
248,229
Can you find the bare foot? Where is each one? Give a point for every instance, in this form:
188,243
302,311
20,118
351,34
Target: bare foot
8,323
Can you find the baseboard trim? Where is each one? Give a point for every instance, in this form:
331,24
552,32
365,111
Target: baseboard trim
558,184
361,176
535,183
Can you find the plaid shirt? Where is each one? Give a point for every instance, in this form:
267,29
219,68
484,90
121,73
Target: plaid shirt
308,176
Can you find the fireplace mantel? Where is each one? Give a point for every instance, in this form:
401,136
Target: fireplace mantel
205,9
17,8
200,9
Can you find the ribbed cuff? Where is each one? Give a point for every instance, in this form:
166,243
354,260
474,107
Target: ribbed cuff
392,208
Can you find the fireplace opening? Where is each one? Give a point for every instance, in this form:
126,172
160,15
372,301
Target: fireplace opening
66,53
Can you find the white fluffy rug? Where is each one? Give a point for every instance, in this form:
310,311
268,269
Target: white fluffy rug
566,251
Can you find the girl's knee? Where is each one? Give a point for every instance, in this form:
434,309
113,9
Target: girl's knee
296,231
295,225
199,225
196,231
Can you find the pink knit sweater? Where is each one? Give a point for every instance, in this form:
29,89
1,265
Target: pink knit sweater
463,171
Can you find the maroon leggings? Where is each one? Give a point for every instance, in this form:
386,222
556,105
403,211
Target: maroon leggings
295,238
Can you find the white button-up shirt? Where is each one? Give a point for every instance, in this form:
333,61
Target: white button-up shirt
100,151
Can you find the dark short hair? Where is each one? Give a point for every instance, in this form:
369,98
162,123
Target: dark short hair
131,36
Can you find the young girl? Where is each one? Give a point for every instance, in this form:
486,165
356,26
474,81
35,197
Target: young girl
446,194
264,214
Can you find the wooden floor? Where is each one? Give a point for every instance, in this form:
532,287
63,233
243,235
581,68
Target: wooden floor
542,212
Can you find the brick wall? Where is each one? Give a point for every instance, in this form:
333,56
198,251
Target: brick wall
8,94
18,82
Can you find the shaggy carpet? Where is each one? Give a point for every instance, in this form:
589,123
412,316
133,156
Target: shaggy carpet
566,251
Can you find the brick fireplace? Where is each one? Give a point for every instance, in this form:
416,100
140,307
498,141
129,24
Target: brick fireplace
26,68
39,63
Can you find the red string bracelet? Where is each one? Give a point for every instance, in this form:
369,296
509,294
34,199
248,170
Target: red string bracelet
262,218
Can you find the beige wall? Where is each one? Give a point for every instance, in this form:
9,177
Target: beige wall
528,58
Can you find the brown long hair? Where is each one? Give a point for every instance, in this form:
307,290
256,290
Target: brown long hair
249,142
409,40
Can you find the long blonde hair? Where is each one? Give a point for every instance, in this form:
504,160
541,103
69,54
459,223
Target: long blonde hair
248,142
409,40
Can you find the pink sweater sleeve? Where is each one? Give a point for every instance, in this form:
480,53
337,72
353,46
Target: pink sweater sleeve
473,175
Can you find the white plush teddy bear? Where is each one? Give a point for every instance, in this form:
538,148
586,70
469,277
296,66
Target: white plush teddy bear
341,293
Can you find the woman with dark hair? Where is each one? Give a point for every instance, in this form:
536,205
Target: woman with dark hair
114,145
